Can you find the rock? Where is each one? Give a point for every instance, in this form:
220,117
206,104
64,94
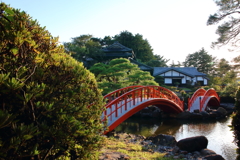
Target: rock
205,152
193,143
156,114
222,111
129,137
196,154
175,149
110,134
227,106
189,115
196,111
184,115
162,139
214,114
196,116
114,156
213,157
204,114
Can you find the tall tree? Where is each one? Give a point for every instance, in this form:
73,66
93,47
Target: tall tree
224,74
201,60
141,47
228,31
107,40
229,14
120,73
158,61
222,67
236,65
173,64
85,49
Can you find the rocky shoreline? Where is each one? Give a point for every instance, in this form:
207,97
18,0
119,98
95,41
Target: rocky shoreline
192,148
222,111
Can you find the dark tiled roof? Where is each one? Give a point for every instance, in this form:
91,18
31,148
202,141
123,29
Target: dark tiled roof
190,71
116,47
141,65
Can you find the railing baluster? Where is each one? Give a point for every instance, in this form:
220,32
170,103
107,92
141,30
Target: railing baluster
125,99
116,109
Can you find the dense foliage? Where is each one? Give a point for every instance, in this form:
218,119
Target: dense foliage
45,95
120,73
141,47
87,49
157,61
224,79
236,122
229,29
201,60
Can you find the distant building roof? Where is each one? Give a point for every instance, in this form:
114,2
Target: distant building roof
190,71
141,65
116,46
117,50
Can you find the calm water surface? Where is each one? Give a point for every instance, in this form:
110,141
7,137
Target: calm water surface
220,138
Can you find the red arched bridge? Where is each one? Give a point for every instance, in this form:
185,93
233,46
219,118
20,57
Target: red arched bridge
124,102
202,98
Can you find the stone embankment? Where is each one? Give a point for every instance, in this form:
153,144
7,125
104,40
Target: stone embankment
193,148
224,110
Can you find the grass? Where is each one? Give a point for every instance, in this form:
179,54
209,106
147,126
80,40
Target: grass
134,150
185,89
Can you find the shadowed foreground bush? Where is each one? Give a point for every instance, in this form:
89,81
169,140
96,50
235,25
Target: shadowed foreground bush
236,123
44,95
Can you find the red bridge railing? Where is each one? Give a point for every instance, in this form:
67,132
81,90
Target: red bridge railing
209,93
197,93
113,95
124,102
205,95
119,100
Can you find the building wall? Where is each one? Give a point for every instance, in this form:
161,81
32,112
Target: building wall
185,78
205,81
174,73
168,80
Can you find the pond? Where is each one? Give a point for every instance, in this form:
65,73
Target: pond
220,137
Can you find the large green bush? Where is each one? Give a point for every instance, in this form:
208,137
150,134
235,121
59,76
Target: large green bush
120,73
44,95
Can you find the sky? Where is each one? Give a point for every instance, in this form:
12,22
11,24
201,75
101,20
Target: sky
174,28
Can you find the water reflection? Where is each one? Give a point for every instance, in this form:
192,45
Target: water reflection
217,132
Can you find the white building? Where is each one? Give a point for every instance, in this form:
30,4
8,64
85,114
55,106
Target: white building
180,75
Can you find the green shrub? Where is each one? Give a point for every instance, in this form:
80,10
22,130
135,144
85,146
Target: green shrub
120,73
44,95
229,90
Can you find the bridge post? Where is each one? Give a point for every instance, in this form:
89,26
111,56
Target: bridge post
116,109
200,103
153,94
125,103
133,98
141,95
